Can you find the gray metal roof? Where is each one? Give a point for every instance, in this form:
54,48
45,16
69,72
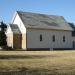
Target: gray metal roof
35,20
15,28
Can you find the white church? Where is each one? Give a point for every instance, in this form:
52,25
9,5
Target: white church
34,31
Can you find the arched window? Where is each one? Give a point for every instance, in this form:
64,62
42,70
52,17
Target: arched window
40,37
53,38
63,38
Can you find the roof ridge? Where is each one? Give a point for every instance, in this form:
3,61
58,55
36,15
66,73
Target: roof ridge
38,13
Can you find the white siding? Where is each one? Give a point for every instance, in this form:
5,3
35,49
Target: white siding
9,35
22,28
8,30
20,24
24,41
33,39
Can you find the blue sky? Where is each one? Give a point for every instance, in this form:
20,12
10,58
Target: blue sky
64,8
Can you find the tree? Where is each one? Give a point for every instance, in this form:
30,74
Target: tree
3,27
72,25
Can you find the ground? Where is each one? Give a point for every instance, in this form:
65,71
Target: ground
38,62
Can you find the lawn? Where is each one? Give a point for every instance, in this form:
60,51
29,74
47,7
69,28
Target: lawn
38,62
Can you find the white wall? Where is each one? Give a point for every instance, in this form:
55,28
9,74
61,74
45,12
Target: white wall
9,35
33,39
20,24
22,28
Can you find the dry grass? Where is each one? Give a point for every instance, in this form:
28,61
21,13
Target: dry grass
52,62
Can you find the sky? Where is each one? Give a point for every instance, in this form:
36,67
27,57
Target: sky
65,8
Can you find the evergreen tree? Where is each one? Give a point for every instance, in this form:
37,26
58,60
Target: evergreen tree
3,42
72,25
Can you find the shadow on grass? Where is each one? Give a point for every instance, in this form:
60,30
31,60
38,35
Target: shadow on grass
24,56
25,71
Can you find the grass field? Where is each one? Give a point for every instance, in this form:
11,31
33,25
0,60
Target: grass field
48,62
